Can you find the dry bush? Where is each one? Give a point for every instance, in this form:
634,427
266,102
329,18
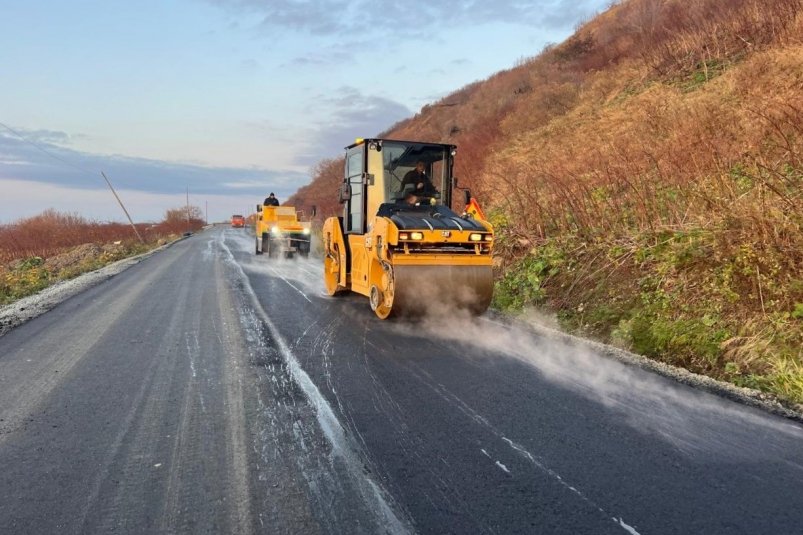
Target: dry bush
321,192
51,232
678,35
682,202
635,164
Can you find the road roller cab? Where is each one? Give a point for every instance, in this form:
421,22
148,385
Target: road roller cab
399,242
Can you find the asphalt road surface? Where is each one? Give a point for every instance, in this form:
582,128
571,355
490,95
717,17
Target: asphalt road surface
208,390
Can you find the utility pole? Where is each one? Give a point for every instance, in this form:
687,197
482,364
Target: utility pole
123,207
188,208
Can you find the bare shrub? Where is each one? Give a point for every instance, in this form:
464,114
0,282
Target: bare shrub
52,232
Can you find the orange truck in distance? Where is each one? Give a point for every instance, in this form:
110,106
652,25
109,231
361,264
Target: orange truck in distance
237,221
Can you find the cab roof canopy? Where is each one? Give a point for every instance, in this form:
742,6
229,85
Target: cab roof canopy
415,150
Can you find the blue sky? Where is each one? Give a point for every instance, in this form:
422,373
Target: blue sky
229,98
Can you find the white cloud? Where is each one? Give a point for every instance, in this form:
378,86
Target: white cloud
410,19
7,159
245,185
45,162
351,114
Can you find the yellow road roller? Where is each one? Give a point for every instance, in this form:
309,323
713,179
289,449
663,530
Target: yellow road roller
279,231
399,242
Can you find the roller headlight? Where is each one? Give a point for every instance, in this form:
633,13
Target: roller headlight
274,229
411,235
306,231
475,236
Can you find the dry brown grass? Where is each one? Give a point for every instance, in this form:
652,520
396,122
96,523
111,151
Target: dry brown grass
52,232
321,192
663,157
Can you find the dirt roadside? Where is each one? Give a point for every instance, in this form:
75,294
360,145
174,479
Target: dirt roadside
27,308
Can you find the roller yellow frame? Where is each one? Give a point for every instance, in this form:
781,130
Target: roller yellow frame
279,232
407,250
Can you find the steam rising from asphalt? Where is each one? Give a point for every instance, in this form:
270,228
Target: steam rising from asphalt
690,419
303,274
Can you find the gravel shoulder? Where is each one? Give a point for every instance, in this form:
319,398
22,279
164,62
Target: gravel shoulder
27,308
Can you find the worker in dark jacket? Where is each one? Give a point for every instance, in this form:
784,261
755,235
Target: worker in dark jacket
271,200
422,185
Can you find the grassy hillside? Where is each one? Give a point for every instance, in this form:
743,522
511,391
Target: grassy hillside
646,181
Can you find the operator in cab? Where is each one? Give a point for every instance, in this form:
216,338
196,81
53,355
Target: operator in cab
421,184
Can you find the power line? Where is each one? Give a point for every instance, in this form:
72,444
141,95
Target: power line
79,168
42,149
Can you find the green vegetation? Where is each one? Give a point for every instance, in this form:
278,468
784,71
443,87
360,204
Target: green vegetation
38,251
30,275
26,278
702,73
692,298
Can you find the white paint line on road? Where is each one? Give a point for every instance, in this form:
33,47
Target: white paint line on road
290,284
527,455
627,528
327,420
497,463
466,409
